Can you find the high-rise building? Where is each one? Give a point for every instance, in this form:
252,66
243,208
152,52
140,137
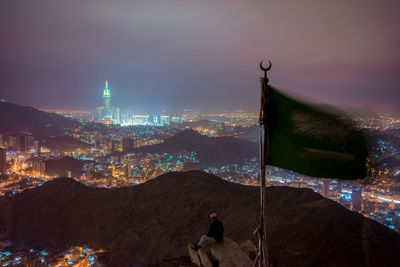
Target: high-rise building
339,187
23,142
165,120
140,119
325,188
127,143
126,119
11,143
155,120
3,162
108,114
30,141
356,197
39,166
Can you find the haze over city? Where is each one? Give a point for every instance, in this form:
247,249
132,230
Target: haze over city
171,55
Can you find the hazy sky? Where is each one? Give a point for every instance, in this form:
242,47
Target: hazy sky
202,54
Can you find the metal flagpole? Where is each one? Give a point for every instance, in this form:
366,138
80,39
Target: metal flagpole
262,255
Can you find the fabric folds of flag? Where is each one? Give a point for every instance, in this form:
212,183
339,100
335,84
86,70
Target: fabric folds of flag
313,140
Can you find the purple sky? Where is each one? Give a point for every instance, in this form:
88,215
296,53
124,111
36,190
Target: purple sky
202,54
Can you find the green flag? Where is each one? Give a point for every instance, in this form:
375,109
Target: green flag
313,141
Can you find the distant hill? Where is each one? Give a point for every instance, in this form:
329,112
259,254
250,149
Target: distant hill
389,162
15,119
394,140
63,143
251,133
59,166
196,124
146,223
373,136
395,132
391,144
210,150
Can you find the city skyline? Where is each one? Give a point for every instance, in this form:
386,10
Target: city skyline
199,55
357,110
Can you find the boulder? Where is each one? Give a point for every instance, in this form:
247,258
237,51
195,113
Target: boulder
229,253
194,256
199,257
249,248
205,259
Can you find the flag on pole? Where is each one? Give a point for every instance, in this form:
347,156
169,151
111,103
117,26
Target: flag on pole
312,140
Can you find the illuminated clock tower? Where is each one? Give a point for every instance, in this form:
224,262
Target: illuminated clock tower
106,96
108,114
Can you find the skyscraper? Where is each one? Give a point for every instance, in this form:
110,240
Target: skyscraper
356,197
108,114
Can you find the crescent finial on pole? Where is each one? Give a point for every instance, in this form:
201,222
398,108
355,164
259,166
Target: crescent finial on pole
265,69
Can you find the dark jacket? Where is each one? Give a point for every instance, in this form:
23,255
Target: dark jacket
216,230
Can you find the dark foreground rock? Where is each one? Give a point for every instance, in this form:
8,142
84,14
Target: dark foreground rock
150,222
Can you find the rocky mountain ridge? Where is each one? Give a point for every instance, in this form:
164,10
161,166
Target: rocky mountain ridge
147,223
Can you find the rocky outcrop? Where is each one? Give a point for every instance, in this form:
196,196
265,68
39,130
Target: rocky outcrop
249,248
227,254
200,257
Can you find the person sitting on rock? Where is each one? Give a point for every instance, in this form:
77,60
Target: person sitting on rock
215,233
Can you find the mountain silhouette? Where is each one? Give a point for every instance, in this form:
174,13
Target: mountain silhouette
147,223
15,119
59,166
64,143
